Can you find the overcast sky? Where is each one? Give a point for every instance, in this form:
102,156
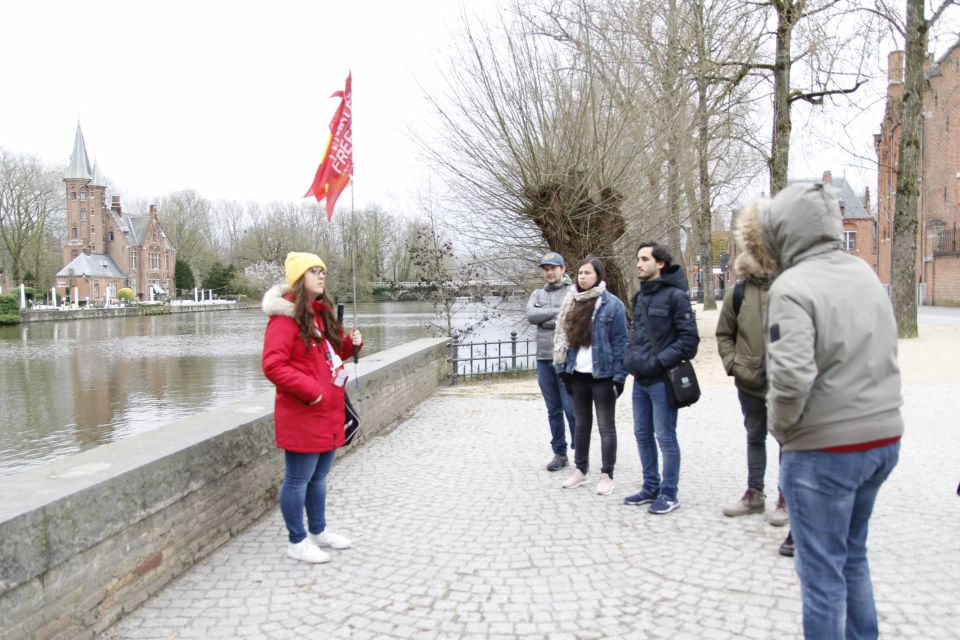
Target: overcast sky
232,98
229,98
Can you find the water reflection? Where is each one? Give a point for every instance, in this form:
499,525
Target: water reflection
70,386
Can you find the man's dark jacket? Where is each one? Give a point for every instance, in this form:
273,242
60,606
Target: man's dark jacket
672,322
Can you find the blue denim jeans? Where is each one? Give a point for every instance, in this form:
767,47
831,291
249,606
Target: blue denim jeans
558,405
653,416
830,497
305,486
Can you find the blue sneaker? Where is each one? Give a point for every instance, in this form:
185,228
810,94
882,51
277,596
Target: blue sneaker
664,504
645,496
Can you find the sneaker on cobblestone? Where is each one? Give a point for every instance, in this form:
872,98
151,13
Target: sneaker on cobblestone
787,548
306,551
644,496
328,539
559,462
576,479
779,517
753,501
604,485
664,504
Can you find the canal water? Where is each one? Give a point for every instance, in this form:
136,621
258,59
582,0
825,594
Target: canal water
69,386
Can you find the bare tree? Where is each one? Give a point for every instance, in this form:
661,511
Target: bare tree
31,214
227,225
535,145
185,218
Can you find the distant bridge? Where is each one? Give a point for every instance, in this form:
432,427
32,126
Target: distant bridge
472,288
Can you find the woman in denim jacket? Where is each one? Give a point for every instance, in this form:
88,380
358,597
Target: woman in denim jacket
589,345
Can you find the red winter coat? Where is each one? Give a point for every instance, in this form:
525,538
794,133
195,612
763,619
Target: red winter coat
301,375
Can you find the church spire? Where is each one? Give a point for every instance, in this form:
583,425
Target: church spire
79,168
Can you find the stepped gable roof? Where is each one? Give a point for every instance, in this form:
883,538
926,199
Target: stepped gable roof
95,265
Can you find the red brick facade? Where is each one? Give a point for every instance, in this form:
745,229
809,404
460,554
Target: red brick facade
140,253
938,259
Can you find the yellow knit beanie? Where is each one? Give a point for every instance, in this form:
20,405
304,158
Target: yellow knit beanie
297,264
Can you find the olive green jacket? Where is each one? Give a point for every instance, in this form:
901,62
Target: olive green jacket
740,337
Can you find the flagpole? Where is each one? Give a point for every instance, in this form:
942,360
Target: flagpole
353,218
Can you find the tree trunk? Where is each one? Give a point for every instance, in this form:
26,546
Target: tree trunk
704,230
904,277
787,13
674,142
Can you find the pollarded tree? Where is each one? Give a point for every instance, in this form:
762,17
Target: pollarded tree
535,146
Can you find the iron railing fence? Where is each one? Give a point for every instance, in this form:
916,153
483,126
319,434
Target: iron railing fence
944,240
473,359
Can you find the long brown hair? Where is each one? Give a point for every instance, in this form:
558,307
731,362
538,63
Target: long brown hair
303,314
580,319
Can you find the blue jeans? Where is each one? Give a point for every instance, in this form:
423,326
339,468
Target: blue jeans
653,416
830,497
305,486
558,404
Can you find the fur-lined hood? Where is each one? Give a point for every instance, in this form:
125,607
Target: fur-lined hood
803,220
274,304
752,257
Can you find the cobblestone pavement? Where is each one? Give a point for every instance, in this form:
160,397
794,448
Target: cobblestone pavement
459,532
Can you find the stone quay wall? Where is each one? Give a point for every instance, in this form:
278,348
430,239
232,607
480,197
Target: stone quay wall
88,538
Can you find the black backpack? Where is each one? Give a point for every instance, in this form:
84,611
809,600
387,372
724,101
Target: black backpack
738,292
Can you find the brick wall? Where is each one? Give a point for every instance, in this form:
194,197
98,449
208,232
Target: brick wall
943,281
940,172
90,537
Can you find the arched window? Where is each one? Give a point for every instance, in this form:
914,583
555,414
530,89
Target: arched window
73,233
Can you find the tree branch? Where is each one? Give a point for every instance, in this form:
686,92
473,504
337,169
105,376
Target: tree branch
816,98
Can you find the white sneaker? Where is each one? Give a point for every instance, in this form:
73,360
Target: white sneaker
306,551
575,480
332,540
604,485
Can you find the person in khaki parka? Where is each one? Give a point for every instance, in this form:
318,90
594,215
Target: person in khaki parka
740,342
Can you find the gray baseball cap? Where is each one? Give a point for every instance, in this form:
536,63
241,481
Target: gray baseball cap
552,258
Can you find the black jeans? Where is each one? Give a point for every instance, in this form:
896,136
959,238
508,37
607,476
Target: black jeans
754,411
587,392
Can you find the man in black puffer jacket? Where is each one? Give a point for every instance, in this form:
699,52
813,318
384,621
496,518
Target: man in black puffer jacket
664,303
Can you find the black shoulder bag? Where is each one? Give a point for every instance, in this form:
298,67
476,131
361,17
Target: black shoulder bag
680,379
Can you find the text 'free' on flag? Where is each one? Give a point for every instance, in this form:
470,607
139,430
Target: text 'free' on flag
336,166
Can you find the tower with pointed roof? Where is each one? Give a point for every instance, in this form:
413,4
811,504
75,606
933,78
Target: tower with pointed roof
107,249
86,203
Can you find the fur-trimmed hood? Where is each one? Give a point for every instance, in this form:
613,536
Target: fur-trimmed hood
275,304
752,259
803,220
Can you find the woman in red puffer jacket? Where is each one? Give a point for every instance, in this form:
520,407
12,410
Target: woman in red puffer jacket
303,353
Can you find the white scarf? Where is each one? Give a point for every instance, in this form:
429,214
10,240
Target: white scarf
560,344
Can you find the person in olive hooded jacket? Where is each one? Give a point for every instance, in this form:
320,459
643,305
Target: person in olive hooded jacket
740,343
662,309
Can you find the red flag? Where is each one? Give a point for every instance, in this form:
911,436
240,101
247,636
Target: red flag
336,166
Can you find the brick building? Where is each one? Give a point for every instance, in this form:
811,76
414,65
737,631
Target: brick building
938,258
107,249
